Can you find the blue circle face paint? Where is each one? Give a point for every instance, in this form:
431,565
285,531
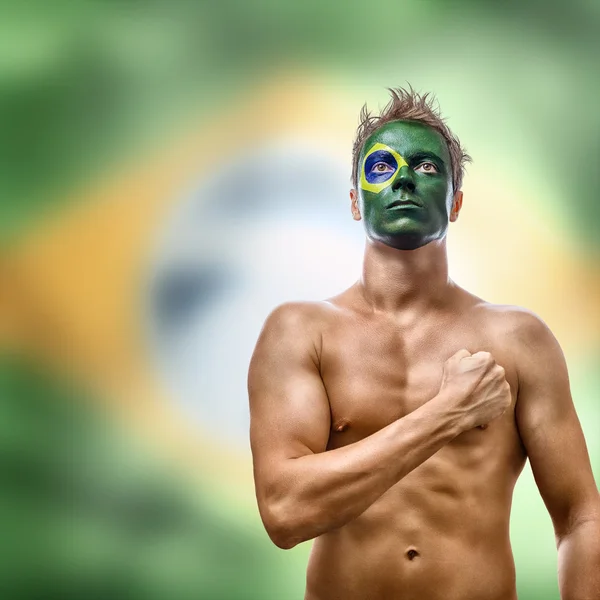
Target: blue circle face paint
380,166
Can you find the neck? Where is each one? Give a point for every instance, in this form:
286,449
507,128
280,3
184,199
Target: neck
399,280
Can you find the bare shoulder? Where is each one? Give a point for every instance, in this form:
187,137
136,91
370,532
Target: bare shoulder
521,324
301,318
524,338
294,329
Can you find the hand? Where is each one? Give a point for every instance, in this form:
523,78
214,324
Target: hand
475,386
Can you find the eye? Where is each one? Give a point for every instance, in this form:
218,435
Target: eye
381,167
426,167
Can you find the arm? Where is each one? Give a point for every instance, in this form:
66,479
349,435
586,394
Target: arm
303,490
554,441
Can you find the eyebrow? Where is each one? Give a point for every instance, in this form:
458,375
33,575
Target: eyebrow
425,154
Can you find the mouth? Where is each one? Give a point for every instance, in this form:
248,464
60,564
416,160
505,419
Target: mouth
403,204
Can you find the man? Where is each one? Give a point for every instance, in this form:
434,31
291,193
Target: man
391,422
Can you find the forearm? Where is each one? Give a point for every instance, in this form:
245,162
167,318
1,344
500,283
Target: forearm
579,561
320,492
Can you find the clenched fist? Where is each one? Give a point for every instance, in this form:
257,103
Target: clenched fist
475,388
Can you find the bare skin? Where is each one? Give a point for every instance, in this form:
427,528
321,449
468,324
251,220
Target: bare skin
341,392
390,424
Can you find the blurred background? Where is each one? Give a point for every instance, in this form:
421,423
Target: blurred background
172,170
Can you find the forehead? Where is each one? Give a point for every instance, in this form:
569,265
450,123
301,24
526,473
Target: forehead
407,138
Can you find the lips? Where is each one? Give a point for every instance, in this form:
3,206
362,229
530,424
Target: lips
405,202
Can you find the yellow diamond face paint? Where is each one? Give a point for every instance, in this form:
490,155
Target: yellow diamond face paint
380,167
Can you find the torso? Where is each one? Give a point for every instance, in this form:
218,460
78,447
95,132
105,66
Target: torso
442,532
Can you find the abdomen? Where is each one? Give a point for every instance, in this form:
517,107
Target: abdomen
440,533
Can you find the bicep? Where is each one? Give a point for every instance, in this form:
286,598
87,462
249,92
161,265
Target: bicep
289,408
550,429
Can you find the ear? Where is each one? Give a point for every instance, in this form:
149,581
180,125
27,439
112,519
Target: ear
456,205
354,205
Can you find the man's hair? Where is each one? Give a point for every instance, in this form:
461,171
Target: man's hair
408,105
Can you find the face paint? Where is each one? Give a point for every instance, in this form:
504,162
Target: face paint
405,188
380,165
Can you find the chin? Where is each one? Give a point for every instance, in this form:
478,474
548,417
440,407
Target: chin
406,243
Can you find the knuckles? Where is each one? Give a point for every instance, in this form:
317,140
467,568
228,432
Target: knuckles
484,358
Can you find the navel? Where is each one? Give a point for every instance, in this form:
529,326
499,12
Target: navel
341,425
412,553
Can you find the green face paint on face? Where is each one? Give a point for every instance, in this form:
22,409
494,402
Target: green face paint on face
405,185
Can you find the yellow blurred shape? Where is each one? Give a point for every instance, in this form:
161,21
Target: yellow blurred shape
72,287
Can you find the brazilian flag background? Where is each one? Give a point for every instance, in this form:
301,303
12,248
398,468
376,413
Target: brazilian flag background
170,171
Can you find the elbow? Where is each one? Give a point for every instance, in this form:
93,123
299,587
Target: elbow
283,541
281,527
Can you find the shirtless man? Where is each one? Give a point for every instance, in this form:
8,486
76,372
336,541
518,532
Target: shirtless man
390,423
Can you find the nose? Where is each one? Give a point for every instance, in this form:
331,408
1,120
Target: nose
404,180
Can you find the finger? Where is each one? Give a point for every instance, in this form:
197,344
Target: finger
462,353
484,358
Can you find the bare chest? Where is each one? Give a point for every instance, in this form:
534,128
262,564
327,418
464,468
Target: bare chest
376,372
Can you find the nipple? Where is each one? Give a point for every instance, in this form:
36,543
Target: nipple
411,553
341,425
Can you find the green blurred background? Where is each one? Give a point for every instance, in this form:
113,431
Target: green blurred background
145,237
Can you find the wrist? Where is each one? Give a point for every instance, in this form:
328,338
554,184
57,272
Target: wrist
454,417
